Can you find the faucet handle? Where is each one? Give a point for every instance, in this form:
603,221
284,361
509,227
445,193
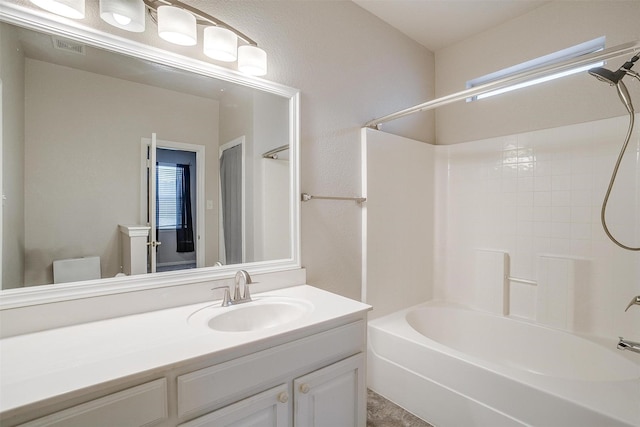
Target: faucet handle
226,299
634,301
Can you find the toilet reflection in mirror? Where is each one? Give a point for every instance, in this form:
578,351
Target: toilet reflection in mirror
74,122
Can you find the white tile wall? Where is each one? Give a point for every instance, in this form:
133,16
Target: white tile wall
540,193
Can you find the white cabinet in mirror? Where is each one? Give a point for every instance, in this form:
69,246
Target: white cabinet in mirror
79,109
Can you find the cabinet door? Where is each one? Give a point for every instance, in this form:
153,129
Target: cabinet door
332,396
267,409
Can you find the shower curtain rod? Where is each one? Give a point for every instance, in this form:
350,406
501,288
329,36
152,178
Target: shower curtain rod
525,76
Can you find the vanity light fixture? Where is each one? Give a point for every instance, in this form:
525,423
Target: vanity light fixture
177,23
127,15
73,9
220,39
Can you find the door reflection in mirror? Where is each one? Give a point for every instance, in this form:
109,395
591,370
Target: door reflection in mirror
232,193
175,222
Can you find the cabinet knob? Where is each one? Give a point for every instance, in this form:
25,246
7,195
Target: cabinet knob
304,388
283,397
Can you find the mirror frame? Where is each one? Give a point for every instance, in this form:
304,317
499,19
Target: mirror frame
51,24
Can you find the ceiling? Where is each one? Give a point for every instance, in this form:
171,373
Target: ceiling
67,53
436,24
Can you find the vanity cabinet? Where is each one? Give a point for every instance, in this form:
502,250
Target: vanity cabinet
329,397
311,380
317,381
164,369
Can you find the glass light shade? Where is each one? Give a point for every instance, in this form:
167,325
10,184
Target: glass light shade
125,14
177,26
252,60
221,44
70,8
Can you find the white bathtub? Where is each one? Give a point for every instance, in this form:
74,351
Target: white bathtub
457,367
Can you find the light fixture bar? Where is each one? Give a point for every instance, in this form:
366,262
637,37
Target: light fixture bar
525,76
201,17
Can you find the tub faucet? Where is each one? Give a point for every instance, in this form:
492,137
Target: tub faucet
634,301
629,345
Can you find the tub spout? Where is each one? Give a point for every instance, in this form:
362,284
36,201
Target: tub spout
629,345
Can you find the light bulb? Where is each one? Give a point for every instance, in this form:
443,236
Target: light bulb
177,26
252,60
125,14
121,19
220,43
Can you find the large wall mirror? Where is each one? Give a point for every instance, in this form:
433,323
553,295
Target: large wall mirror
90,119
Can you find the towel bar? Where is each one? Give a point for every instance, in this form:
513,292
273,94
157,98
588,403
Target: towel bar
305,197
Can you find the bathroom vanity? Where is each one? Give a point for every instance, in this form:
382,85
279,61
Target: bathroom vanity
298,361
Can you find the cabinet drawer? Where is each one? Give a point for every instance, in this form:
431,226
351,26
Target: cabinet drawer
213,386
143,405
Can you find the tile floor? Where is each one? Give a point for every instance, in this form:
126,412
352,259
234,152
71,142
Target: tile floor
383,413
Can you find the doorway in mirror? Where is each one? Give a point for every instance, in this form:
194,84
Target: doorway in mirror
176,196
232,202
177,237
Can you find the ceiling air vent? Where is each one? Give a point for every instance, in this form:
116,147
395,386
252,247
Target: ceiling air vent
68,46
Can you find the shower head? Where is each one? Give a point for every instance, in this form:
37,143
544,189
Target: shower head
607,76
613,77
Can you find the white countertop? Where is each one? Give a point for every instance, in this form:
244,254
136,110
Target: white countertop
39,366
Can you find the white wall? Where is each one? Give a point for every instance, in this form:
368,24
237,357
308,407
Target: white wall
549,28
275,221
12,232
271,180
539,193
263,120
96,159
398,223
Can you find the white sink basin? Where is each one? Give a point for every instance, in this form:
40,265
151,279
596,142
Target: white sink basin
262,313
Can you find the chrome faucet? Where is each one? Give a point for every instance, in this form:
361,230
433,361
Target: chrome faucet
634,301
246,295
629,345
238,297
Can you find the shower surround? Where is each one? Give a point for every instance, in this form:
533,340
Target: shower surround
536,195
